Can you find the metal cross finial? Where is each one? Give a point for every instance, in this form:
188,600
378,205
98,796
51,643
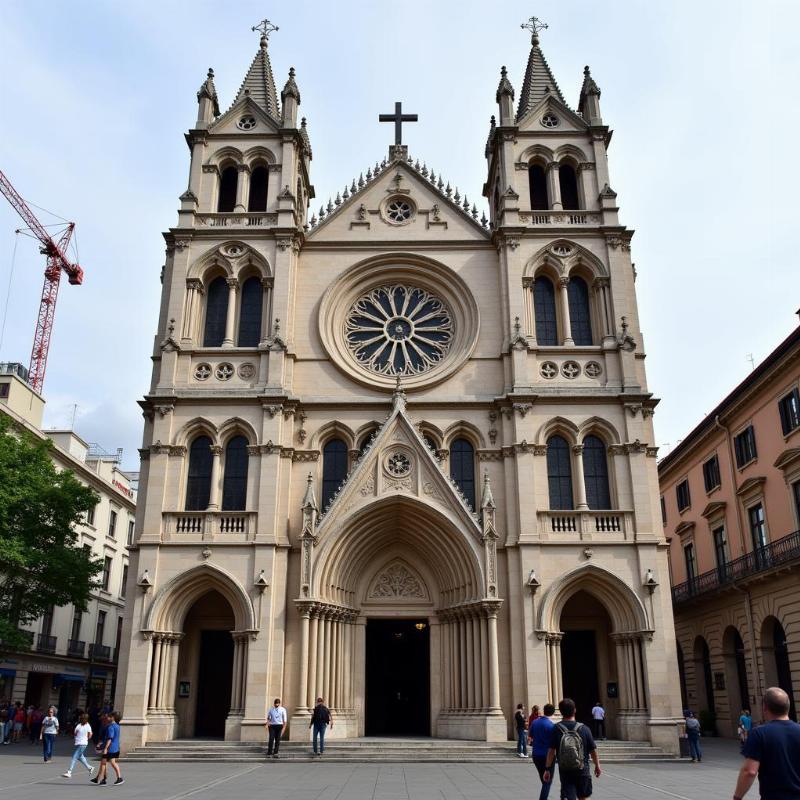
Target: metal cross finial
534,25
266,28
398,118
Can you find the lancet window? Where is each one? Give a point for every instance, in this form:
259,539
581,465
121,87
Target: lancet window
251,302
559,474
257,199
234,484
228,184
595,473
579,311
462,468
216,313
198,483
544,305
334,469
537,179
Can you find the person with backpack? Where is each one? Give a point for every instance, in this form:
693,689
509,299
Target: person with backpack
572,744
320,719
541,732
521,722
692,725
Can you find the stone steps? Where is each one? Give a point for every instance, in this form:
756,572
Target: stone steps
374,751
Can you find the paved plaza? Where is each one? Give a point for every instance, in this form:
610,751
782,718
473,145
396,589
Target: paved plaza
25,777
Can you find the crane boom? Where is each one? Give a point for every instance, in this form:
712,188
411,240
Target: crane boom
57,260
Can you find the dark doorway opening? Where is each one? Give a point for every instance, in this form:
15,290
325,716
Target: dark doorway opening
398,678
214,678
579,671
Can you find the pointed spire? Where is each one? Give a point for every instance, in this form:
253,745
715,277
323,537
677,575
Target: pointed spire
398,396
487,498
309,500
539,81
291,89
259,83
305,137
505,98
208,92
504,87
589,102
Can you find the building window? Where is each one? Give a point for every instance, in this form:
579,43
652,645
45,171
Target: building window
100,630
130,532
334,469
758,526
462,468
112,524
682,495
579,316
234,484
124,584
568,182
216,312
595,473
257,200
90,515
796,493
711,473
663,511
75,632
538,188
789,408
691,563
559,474
47,621
720,550
228,183
106,577
745,446
4,390
544,310
251,303
198,482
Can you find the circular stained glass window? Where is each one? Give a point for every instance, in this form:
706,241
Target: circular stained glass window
247,123
550,121
399,211
399,330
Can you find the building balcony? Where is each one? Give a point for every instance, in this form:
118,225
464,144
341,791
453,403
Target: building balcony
100,652
780,553
559,218
76,648
209,523
249,219
46,643
583,523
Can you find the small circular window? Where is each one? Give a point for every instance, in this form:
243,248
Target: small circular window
399,211
550,121
246,123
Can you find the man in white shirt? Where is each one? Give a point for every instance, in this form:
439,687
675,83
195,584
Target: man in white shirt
599,717
276,725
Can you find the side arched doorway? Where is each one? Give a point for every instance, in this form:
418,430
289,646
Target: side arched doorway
733,653
775,652
703,679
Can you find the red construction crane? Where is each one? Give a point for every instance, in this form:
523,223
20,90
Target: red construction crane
56,252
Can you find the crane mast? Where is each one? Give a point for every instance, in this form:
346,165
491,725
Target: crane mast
57,260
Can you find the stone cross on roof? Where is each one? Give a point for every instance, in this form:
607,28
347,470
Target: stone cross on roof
398,118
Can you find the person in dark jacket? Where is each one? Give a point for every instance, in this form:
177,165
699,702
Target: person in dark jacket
321,717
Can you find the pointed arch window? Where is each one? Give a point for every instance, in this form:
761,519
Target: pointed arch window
568,183
198,482
234,484
462,468
334,469
544,310
580,318
559,474
595,473
251,303
537,180
257,199
216,312
228,183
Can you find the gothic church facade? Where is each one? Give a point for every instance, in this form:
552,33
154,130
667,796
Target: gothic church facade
395,455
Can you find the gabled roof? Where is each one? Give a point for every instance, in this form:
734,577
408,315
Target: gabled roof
538,82
259,83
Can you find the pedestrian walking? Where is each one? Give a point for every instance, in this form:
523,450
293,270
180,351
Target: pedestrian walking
82,732
541,732
572,745
48,732
533,715
5,723
35,718
521,723
745,725
772,752
19,722
321,717
693,735
110,752
276,725
599,720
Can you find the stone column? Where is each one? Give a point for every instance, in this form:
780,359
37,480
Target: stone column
213,497
326,683
454,665
480,700
585,171
163,672
152,703
320,684
304,643
172,675
194,291
566,324
236,674
639,673
242,187
348,664
559,668
484,663
266,310
530,312
470,664
230,319
580,481
601,287
622,671
494,663
462,662
311,689
555,186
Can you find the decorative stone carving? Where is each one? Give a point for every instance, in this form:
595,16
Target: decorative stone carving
570,369
224,371
247,371
398,464
548,370
396,581
593,369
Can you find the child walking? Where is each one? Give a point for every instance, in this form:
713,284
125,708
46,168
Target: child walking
83,732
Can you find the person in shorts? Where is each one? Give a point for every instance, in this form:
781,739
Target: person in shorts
572,739
110,752
745,725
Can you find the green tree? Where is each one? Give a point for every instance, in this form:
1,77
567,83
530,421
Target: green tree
41,563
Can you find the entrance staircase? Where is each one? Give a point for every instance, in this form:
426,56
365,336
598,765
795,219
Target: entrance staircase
377,751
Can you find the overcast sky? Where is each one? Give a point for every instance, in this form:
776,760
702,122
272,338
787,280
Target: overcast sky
702,97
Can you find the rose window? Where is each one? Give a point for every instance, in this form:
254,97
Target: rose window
247,123
399,211
398,464
399,330
550,121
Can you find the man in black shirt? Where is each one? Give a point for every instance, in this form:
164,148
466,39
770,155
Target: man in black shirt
772,752
576,780
321,717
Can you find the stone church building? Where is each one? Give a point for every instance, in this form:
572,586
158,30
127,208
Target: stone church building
396,455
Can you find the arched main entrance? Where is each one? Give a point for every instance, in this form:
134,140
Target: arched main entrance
777,669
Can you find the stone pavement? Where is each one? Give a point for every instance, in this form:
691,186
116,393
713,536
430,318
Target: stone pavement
23,776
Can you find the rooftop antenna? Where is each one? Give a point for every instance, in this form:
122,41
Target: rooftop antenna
74,414
752,361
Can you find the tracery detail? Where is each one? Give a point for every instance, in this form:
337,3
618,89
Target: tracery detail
399,330
396,581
